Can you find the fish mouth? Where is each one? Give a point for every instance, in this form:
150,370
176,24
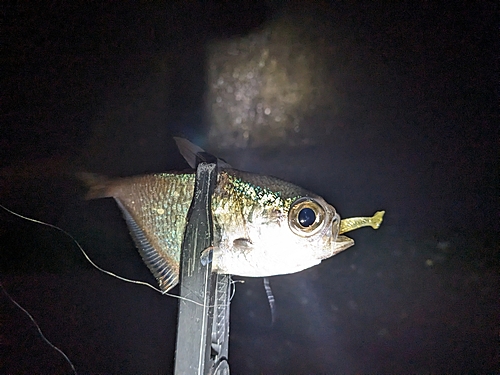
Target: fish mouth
342,243
340,227
339,242
335,225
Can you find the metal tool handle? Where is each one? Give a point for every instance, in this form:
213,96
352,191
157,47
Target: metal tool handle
203,326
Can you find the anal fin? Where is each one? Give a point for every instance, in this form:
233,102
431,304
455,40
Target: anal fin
161,267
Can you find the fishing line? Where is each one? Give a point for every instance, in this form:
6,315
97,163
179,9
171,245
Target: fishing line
38,327
233,287
98,268
95,265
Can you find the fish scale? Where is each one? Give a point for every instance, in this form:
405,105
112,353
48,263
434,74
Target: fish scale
257,230
155,208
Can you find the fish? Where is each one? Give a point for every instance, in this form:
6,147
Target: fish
263,226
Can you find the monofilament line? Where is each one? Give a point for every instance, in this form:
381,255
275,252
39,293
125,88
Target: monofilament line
39,329
92,262
94,265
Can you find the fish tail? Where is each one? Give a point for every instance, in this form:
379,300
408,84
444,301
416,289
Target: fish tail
98,185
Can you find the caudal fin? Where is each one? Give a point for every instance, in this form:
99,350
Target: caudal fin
98,185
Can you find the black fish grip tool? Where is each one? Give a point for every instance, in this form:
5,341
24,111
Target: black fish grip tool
203,326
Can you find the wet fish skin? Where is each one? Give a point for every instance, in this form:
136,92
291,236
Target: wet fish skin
263,226
251,217
252,235
155,208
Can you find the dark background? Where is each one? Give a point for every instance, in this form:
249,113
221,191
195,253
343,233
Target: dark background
104,87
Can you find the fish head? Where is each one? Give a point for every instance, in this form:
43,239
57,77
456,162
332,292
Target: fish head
315,224
283,239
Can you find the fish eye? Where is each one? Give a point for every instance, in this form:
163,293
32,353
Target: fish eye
306,217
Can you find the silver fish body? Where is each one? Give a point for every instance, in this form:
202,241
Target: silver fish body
263,226
260,229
